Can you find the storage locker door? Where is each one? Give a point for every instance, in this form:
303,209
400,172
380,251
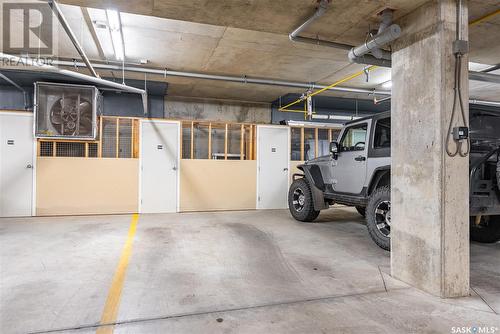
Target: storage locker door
273,160
16,164
159,166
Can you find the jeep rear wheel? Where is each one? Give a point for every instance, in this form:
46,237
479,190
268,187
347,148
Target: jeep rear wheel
378,217
300,202
487,230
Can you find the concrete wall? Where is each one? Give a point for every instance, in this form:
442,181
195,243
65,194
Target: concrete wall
130,105
207,185
12,98
68,186
201,109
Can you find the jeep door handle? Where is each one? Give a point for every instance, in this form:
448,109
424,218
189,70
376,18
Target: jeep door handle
360,158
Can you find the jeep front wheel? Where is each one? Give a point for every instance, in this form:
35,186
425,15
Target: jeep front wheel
300,202
378,217
487,230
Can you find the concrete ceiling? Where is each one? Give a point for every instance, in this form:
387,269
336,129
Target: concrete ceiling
250,37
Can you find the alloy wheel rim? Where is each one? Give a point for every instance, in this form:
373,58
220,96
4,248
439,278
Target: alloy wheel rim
383,218
299,199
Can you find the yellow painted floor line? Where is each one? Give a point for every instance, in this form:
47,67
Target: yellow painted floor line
110,312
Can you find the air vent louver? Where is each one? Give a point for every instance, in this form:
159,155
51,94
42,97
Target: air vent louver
65,111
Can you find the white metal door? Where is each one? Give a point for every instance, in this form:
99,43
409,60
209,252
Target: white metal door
16,164
159,158
273,164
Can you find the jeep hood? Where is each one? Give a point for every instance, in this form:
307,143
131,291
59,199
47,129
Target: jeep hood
323,159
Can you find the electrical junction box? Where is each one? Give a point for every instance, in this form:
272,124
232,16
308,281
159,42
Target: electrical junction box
460,133
460,47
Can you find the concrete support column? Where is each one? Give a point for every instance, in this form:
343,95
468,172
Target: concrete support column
430,190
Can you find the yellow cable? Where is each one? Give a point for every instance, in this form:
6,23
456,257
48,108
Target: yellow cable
350,77
484,18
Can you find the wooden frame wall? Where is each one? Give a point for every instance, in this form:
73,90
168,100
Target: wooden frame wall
316,138
247,147
134,151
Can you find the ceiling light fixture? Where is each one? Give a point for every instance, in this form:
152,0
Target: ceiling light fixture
115,28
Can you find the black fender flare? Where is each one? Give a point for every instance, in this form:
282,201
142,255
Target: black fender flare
312,174
377,175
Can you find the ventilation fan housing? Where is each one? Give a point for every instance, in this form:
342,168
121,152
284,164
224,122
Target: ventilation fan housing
65,111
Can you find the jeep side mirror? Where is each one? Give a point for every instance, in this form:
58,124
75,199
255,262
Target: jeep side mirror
334,149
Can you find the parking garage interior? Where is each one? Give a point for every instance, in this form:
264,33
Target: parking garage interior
323,166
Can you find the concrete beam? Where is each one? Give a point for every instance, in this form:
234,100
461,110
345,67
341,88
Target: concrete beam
430,190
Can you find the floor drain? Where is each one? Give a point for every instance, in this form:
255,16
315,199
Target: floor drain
220,320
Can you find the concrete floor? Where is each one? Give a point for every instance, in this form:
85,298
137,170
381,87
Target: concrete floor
231,272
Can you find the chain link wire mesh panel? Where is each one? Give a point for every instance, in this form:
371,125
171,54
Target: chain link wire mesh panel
125,138
119,140
109,137
70,149
46,148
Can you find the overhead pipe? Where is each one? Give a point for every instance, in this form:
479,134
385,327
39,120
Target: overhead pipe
371,60
485,103
13,83
376,44
386,20
491,69
194,75
80,76
238,79
482,76
294,35
62,19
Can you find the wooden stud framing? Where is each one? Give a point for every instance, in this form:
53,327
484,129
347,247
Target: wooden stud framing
209,140
192,140
242,143
54,149
86,150
251,143
329,135
132,137
99,148
225,141
117,138
316,144
301,144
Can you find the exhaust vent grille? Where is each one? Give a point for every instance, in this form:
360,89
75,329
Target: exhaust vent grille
65,111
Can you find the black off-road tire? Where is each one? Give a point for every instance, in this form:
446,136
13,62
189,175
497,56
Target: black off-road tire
361,210
307,212
380,195
488,231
